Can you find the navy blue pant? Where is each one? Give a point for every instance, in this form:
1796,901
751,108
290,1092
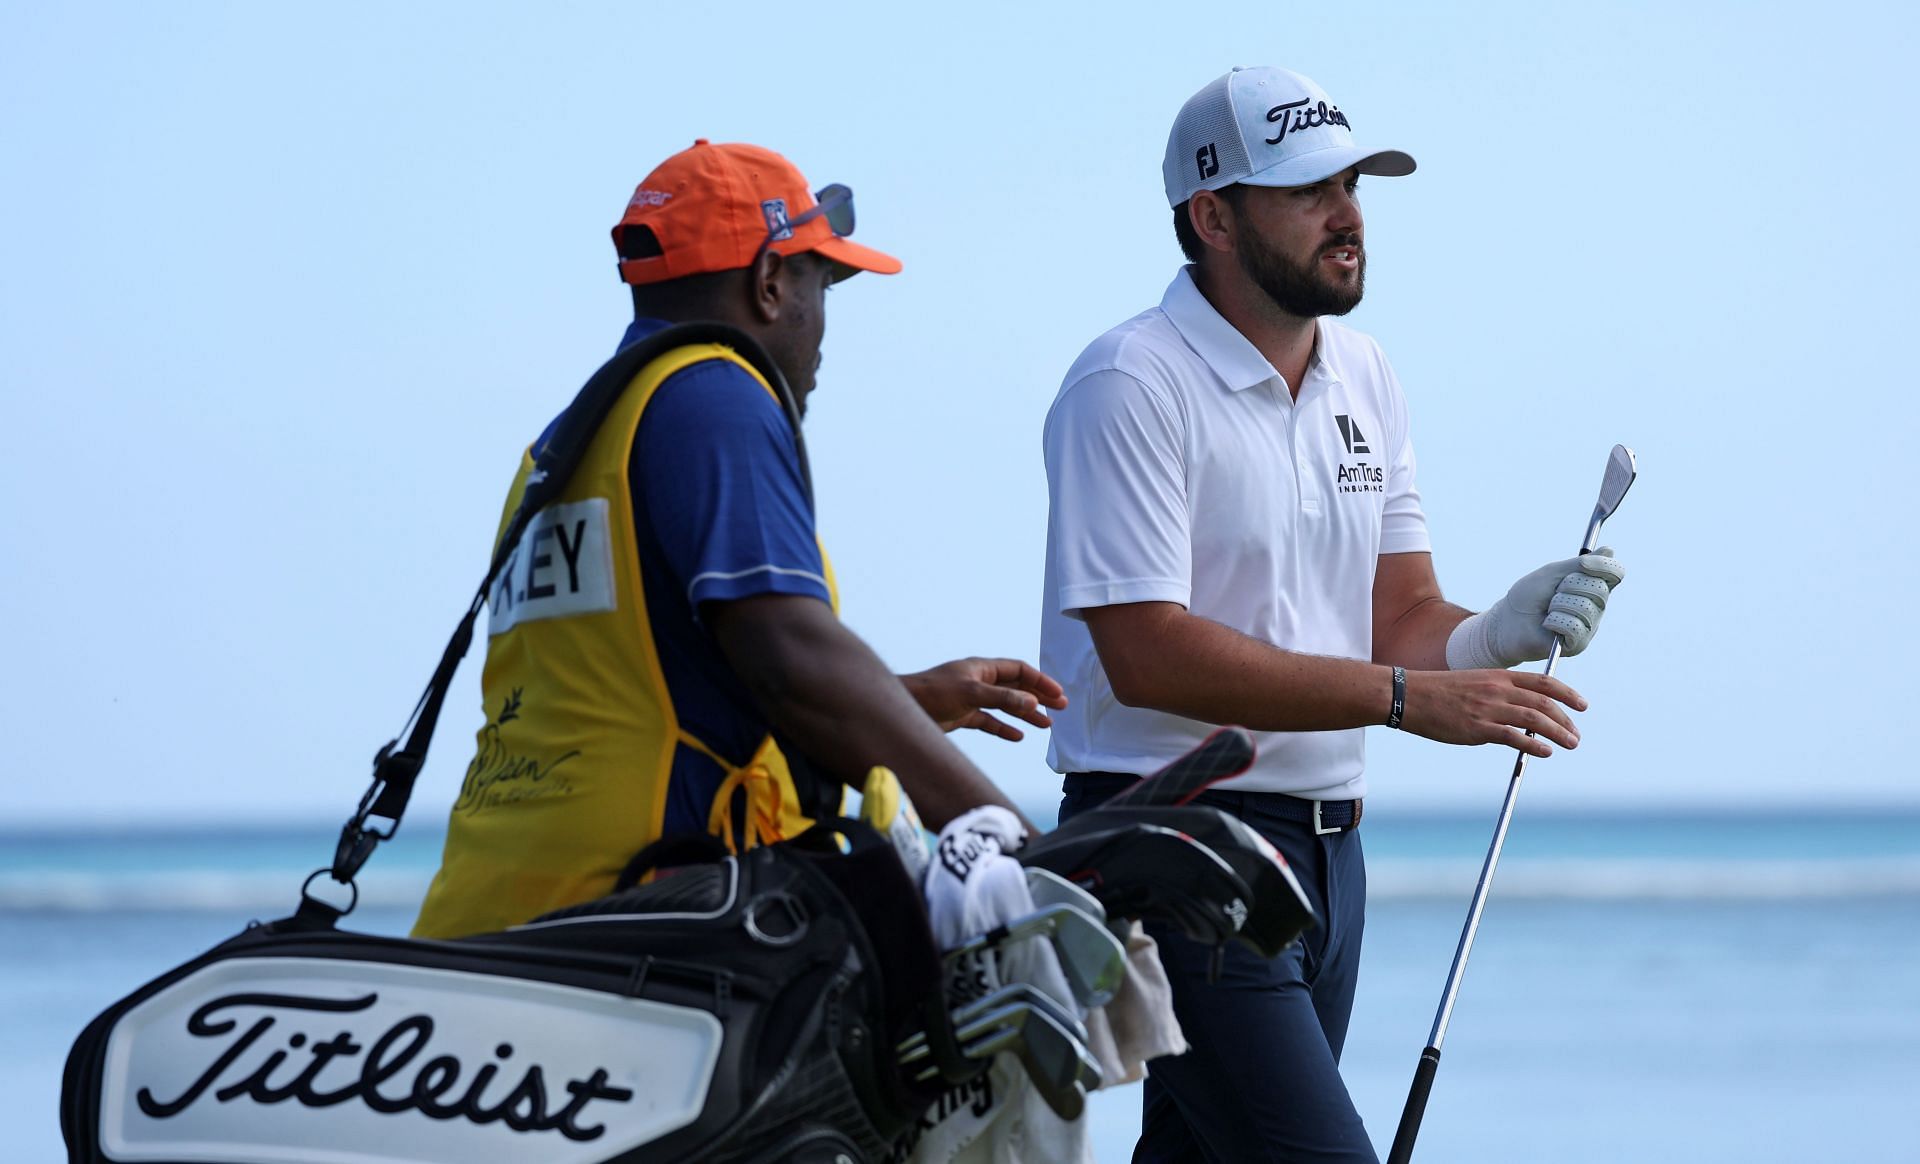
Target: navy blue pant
1262,1080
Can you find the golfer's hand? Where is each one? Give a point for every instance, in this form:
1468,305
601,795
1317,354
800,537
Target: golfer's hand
961,693
1564,598
1492,707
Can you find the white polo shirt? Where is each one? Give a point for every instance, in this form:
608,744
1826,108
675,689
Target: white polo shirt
1180,469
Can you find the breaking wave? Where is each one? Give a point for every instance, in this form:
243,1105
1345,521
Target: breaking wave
190,891
1650,879
1390,879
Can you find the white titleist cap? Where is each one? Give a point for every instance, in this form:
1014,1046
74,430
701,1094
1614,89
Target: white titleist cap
1265,127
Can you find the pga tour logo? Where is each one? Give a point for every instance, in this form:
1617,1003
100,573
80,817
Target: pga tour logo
775,212
321,1061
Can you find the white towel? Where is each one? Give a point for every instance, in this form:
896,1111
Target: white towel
972,887
957,896
1138,1024
1026,1129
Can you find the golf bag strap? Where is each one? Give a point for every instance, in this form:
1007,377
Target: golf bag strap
667,853
397,766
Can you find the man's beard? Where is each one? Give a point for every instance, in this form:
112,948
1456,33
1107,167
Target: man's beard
1301,291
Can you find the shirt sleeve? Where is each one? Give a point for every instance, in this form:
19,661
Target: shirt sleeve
1403,523
1117,528
717,472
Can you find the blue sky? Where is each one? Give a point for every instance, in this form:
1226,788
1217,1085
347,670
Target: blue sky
284,290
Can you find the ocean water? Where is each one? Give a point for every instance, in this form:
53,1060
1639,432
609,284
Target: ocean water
1673,987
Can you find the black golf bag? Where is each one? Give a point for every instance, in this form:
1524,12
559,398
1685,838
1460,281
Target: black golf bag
733,1009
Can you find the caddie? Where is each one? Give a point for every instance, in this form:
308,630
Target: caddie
1235,536
672,612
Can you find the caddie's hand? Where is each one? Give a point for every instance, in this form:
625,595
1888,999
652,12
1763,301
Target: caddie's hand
1492,707
961,693
1564,598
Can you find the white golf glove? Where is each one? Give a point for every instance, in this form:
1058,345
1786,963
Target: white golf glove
1564,598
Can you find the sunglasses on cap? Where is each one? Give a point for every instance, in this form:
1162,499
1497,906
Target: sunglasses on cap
834,203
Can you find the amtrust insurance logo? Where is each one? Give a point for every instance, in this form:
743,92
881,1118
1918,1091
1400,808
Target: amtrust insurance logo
1351,435
1360,476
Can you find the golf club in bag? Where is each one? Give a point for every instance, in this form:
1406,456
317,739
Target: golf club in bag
1195,868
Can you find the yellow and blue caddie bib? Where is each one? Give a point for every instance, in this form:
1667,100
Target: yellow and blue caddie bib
572,772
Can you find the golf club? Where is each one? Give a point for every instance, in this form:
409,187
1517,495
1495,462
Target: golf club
1049,1042
1049,888
1224,754
1277,912
1055,1056
1620,473
1147,871
1021,1019
1092,959
973,1020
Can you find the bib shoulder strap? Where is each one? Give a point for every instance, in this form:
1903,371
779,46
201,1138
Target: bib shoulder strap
555,460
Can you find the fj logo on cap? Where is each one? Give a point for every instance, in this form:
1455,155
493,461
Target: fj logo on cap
1304,116
775,210
1209,160
1350,433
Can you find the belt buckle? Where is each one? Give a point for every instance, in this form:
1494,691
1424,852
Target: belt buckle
1318,829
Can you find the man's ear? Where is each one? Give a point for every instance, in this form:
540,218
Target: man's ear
766,295
1211,217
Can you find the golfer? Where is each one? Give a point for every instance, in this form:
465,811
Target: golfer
1235,536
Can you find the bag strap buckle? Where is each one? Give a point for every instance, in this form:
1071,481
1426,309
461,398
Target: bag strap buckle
360,836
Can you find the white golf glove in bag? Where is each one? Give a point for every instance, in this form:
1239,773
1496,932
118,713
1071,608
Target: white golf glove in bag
1564,598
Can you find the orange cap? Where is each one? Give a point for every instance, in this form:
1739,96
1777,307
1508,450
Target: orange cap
710,207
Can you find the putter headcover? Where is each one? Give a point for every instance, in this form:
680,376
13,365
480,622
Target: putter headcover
1195,867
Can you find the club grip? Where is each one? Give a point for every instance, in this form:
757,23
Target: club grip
1416,1108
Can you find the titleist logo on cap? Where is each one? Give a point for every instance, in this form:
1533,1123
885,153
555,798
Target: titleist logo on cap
1306,114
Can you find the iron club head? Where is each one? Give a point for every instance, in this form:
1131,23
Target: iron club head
1049,888
1090,957
1620,473
1050,1045
1049,1041
1621,469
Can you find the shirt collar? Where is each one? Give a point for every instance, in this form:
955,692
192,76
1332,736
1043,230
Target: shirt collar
1231,355
638,330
